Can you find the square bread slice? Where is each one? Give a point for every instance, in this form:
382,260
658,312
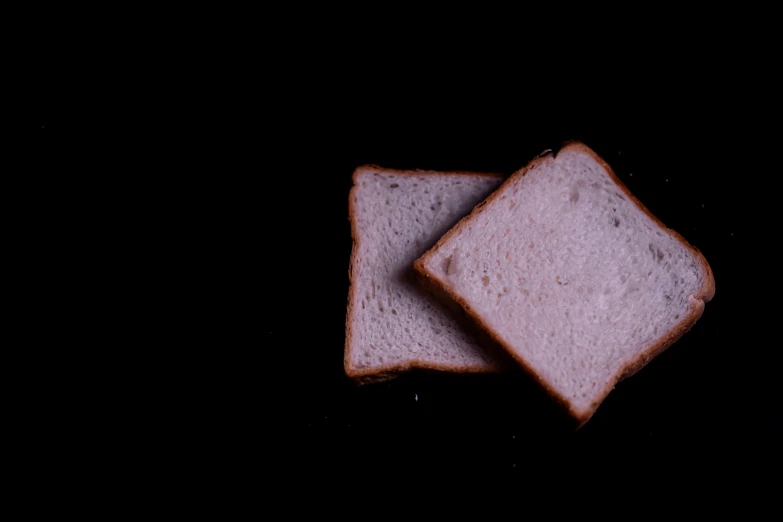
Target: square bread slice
572,275
392,324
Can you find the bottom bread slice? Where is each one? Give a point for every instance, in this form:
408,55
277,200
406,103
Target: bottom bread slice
392,324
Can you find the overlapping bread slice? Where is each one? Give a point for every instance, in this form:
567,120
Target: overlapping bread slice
572,275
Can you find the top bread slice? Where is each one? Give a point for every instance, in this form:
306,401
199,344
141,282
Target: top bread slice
572,275
392,324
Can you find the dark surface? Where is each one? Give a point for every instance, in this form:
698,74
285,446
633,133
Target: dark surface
237,211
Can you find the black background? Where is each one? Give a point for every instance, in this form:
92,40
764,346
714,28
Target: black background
229,201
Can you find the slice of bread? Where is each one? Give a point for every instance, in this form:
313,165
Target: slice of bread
572,275
393,325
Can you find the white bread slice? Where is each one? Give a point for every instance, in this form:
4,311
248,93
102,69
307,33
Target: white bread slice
572,275
392,324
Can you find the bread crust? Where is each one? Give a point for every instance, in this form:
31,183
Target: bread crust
386,372
697,301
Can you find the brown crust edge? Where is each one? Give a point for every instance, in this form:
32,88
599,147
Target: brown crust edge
707,291
383,373
704,294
